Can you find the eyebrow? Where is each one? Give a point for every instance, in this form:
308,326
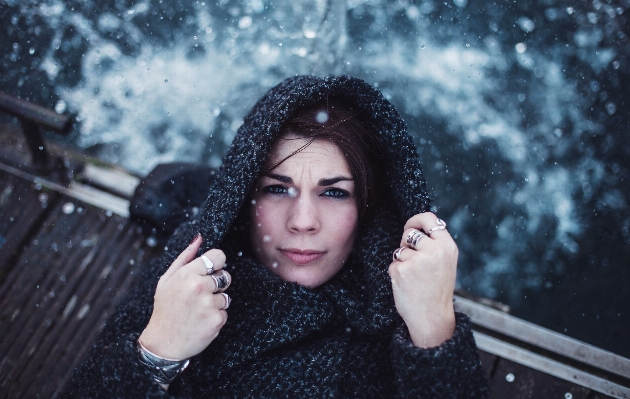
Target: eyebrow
321,182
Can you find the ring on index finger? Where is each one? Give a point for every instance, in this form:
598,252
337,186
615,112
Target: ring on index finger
208,263
414,237
441,225
222,280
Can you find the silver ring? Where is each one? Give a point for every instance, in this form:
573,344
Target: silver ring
397,253
222,280
414,237
208,263
228,300
441,225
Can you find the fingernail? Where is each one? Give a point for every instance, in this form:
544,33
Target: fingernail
195,239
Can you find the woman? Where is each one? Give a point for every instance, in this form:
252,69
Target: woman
322,183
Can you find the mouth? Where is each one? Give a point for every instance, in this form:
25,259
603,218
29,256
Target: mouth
301,256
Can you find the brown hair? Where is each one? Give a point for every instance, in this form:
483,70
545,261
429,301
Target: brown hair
333,121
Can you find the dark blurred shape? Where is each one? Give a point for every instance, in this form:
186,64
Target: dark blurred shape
169,195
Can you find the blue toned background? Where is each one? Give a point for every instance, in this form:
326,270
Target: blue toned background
519,110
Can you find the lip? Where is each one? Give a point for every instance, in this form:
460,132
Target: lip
301,256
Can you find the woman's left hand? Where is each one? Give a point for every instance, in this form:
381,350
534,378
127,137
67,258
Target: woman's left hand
423,281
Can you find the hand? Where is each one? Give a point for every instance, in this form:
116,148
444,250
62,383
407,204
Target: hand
187,314
423,281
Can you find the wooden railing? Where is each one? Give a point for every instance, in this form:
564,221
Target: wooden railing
32,117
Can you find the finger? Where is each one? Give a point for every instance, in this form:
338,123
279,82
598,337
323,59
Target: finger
419,243
429,224
185,257
221,281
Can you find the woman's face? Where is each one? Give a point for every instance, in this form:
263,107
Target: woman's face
304,212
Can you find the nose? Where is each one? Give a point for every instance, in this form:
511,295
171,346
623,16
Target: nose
304,216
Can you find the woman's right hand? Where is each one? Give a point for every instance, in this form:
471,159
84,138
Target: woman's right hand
187,314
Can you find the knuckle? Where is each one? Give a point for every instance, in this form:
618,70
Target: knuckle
218,318
196,286
401,270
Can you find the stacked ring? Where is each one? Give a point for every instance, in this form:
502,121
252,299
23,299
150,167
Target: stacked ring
414,237
228,300
222,280
208,263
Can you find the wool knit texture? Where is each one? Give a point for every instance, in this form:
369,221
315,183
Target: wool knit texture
343,339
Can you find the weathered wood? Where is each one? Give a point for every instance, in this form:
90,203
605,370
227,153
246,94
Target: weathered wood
511,380
543,338
52,311
30,281
111,295
35,113
581,375
40,285
95,297
83,263
22,207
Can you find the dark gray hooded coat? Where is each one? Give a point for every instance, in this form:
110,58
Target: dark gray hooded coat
343,339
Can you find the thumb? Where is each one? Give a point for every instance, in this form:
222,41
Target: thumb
187,256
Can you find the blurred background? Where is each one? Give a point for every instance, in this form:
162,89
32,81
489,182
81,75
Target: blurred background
519,110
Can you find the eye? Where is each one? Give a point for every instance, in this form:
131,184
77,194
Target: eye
275,189
336,193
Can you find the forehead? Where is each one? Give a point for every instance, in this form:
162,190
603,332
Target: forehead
321,156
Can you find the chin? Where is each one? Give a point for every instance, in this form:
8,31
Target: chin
304,278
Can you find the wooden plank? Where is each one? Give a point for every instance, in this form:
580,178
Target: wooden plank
77,349
116,181
39,286
514,381
28,285
22,209
533,334
78,289
95,299
96,296
51,310
549,366
81,192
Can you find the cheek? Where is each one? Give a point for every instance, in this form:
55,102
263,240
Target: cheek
264,219
345,223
